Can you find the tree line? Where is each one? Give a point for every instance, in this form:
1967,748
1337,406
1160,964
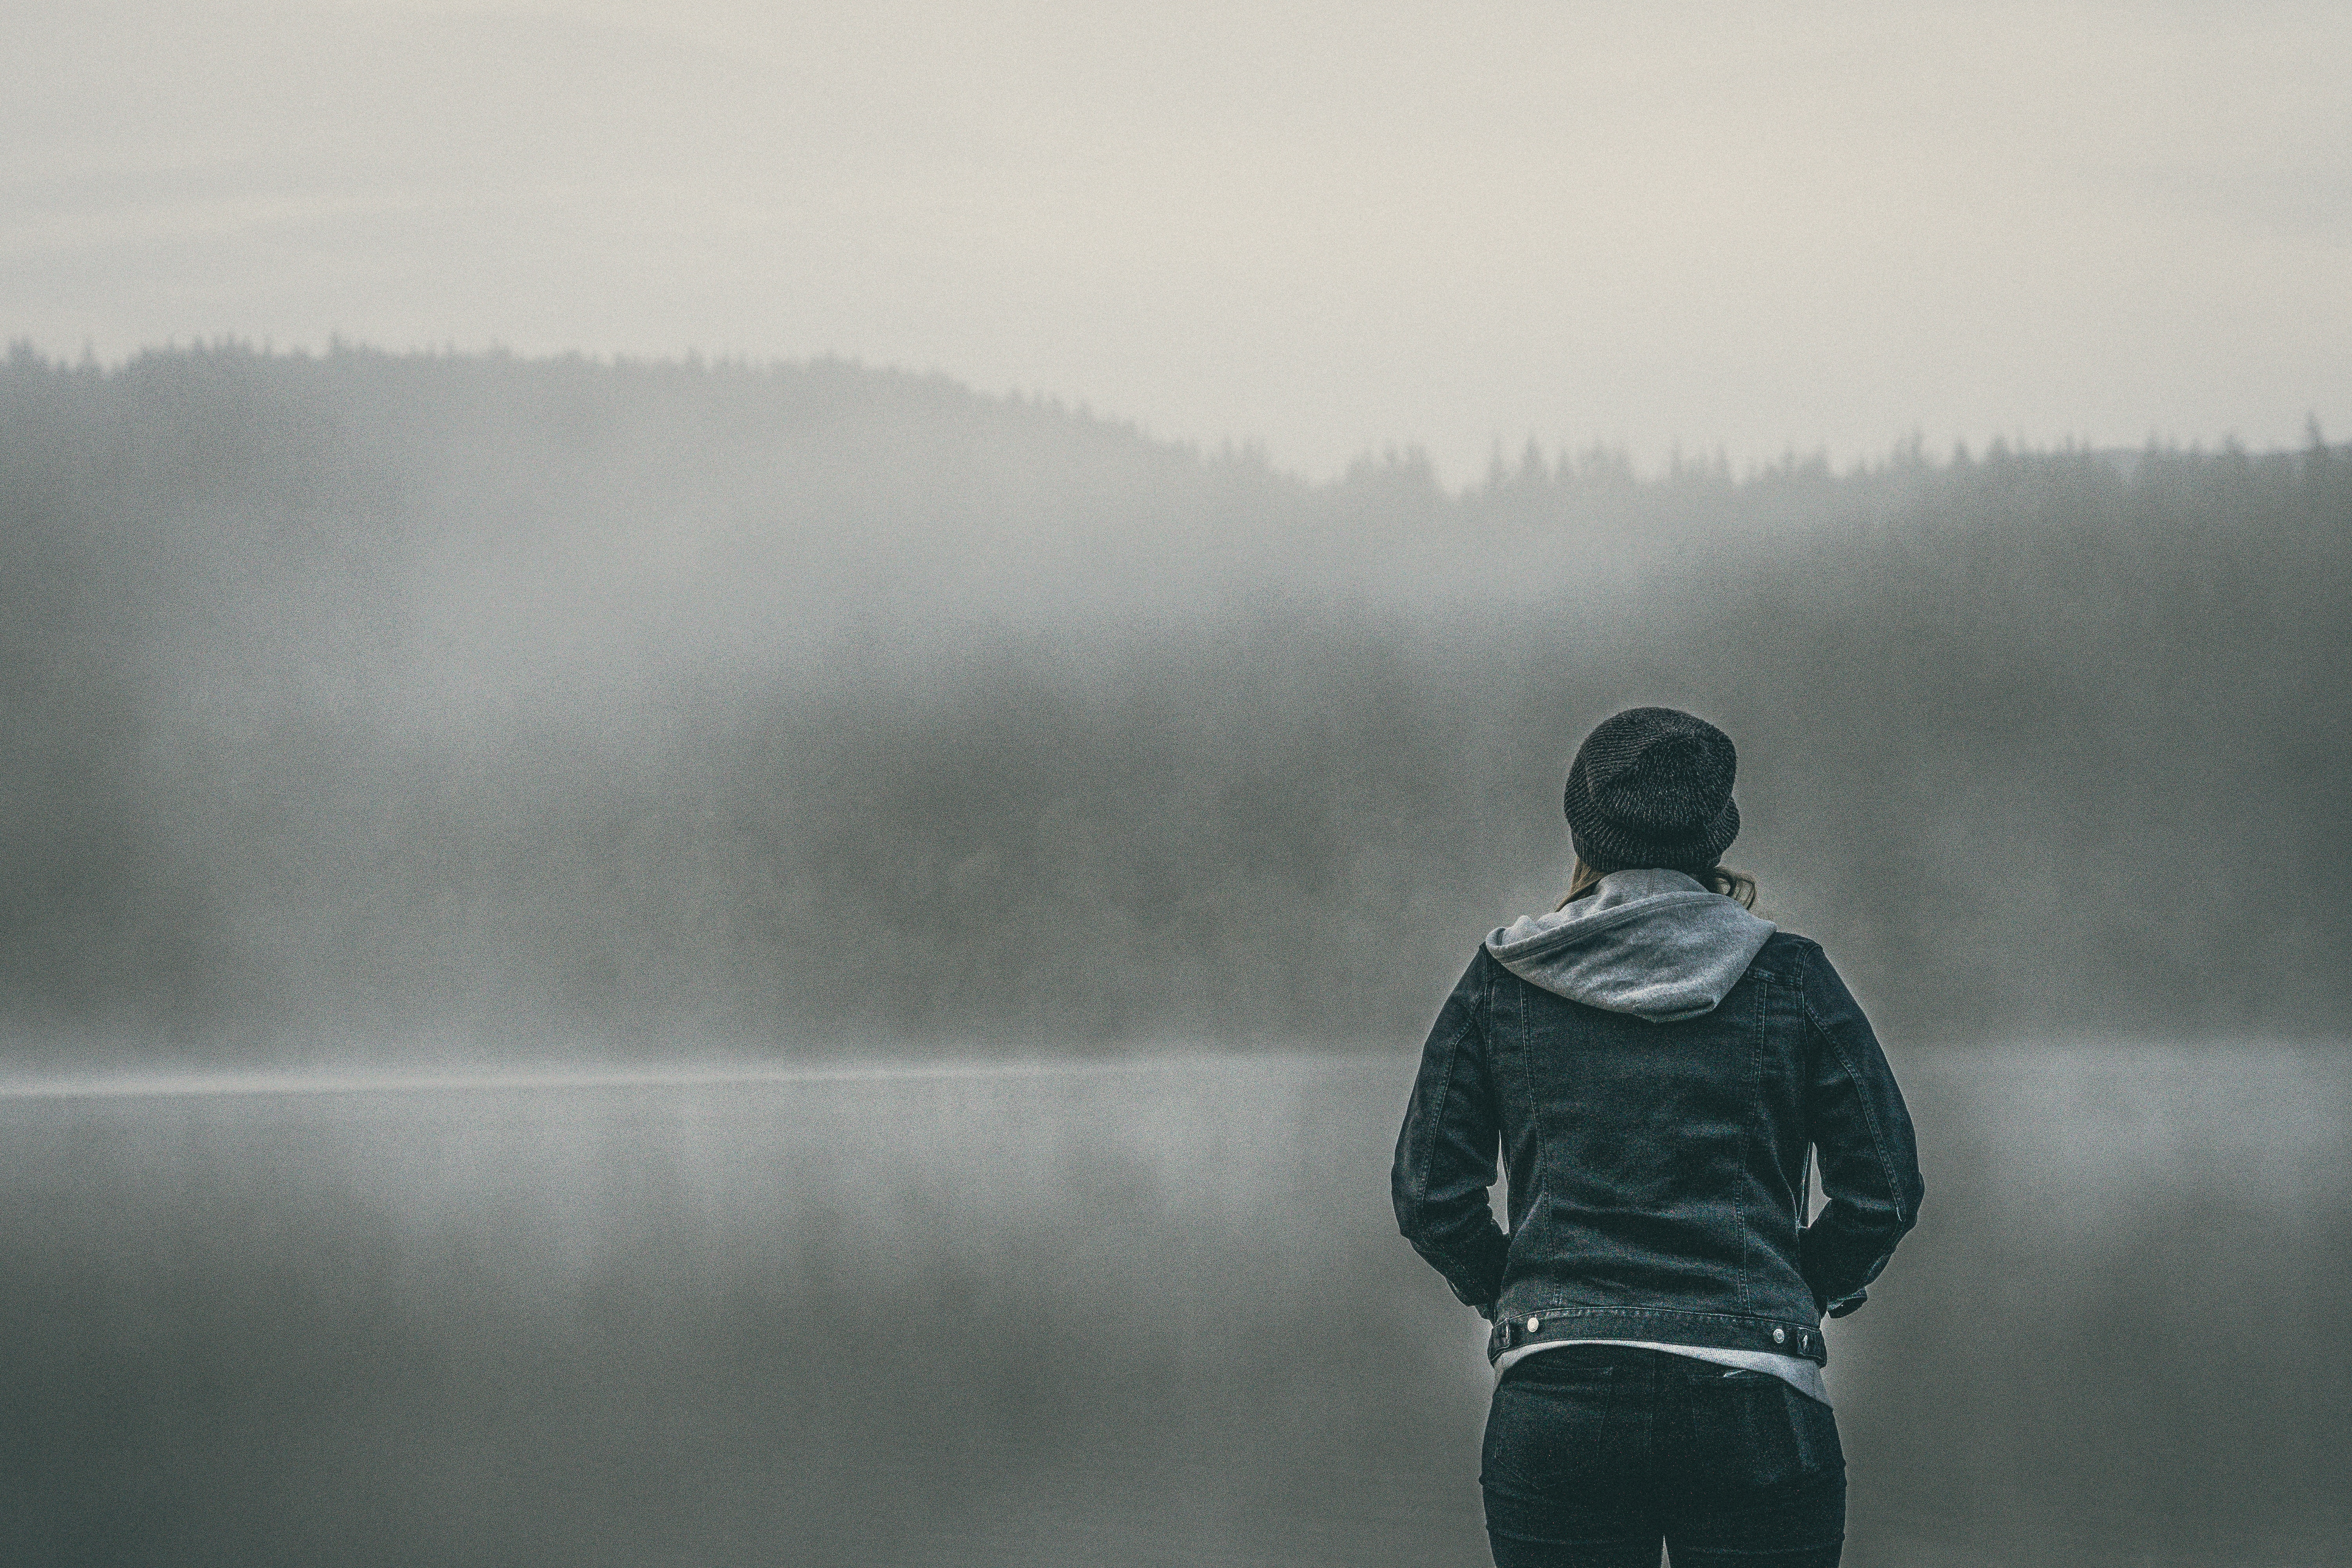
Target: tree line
371,701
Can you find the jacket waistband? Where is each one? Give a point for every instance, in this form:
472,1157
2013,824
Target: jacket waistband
1721,1330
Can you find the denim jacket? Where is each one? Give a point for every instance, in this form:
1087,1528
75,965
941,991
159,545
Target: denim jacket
1657,1160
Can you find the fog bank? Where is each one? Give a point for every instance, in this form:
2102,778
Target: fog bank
377,706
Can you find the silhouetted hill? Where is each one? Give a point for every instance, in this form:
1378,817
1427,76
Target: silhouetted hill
476,703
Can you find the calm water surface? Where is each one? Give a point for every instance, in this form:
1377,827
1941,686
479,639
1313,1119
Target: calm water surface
1148,1314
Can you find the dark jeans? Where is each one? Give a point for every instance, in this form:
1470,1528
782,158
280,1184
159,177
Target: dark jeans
1595,1454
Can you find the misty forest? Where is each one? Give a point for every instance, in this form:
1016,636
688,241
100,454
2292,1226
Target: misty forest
1018,859
361,699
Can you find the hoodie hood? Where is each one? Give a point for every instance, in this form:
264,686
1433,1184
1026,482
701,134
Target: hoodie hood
1650,943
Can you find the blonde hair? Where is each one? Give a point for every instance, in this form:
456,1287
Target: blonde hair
1731,884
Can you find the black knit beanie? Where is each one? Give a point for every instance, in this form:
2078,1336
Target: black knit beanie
1652,786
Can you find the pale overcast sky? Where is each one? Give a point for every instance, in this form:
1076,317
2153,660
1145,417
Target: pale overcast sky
1323,228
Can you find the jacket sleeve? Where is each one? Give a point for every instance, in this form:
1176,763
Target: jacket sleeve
1446,1152
1861,1134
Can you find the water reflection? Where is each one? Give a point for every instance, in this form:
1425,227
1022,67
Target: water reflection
1154,1314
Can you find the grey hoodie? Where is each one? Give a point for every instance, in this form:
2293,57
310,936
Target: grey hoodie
1653,944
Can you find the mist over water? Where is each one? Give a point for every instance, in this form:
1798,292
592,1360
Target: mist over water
1153,1312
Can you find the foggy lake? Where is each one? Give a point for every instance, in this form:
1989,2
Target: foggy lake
1145,1312
737,745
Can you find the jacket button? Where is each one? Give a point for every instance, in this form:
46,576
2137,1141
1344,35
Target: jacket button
1780,1336
1534,1323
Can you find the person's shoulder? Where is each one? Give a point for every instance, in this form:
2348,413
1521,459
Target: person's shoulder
1798,962
1481,971
1788,956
